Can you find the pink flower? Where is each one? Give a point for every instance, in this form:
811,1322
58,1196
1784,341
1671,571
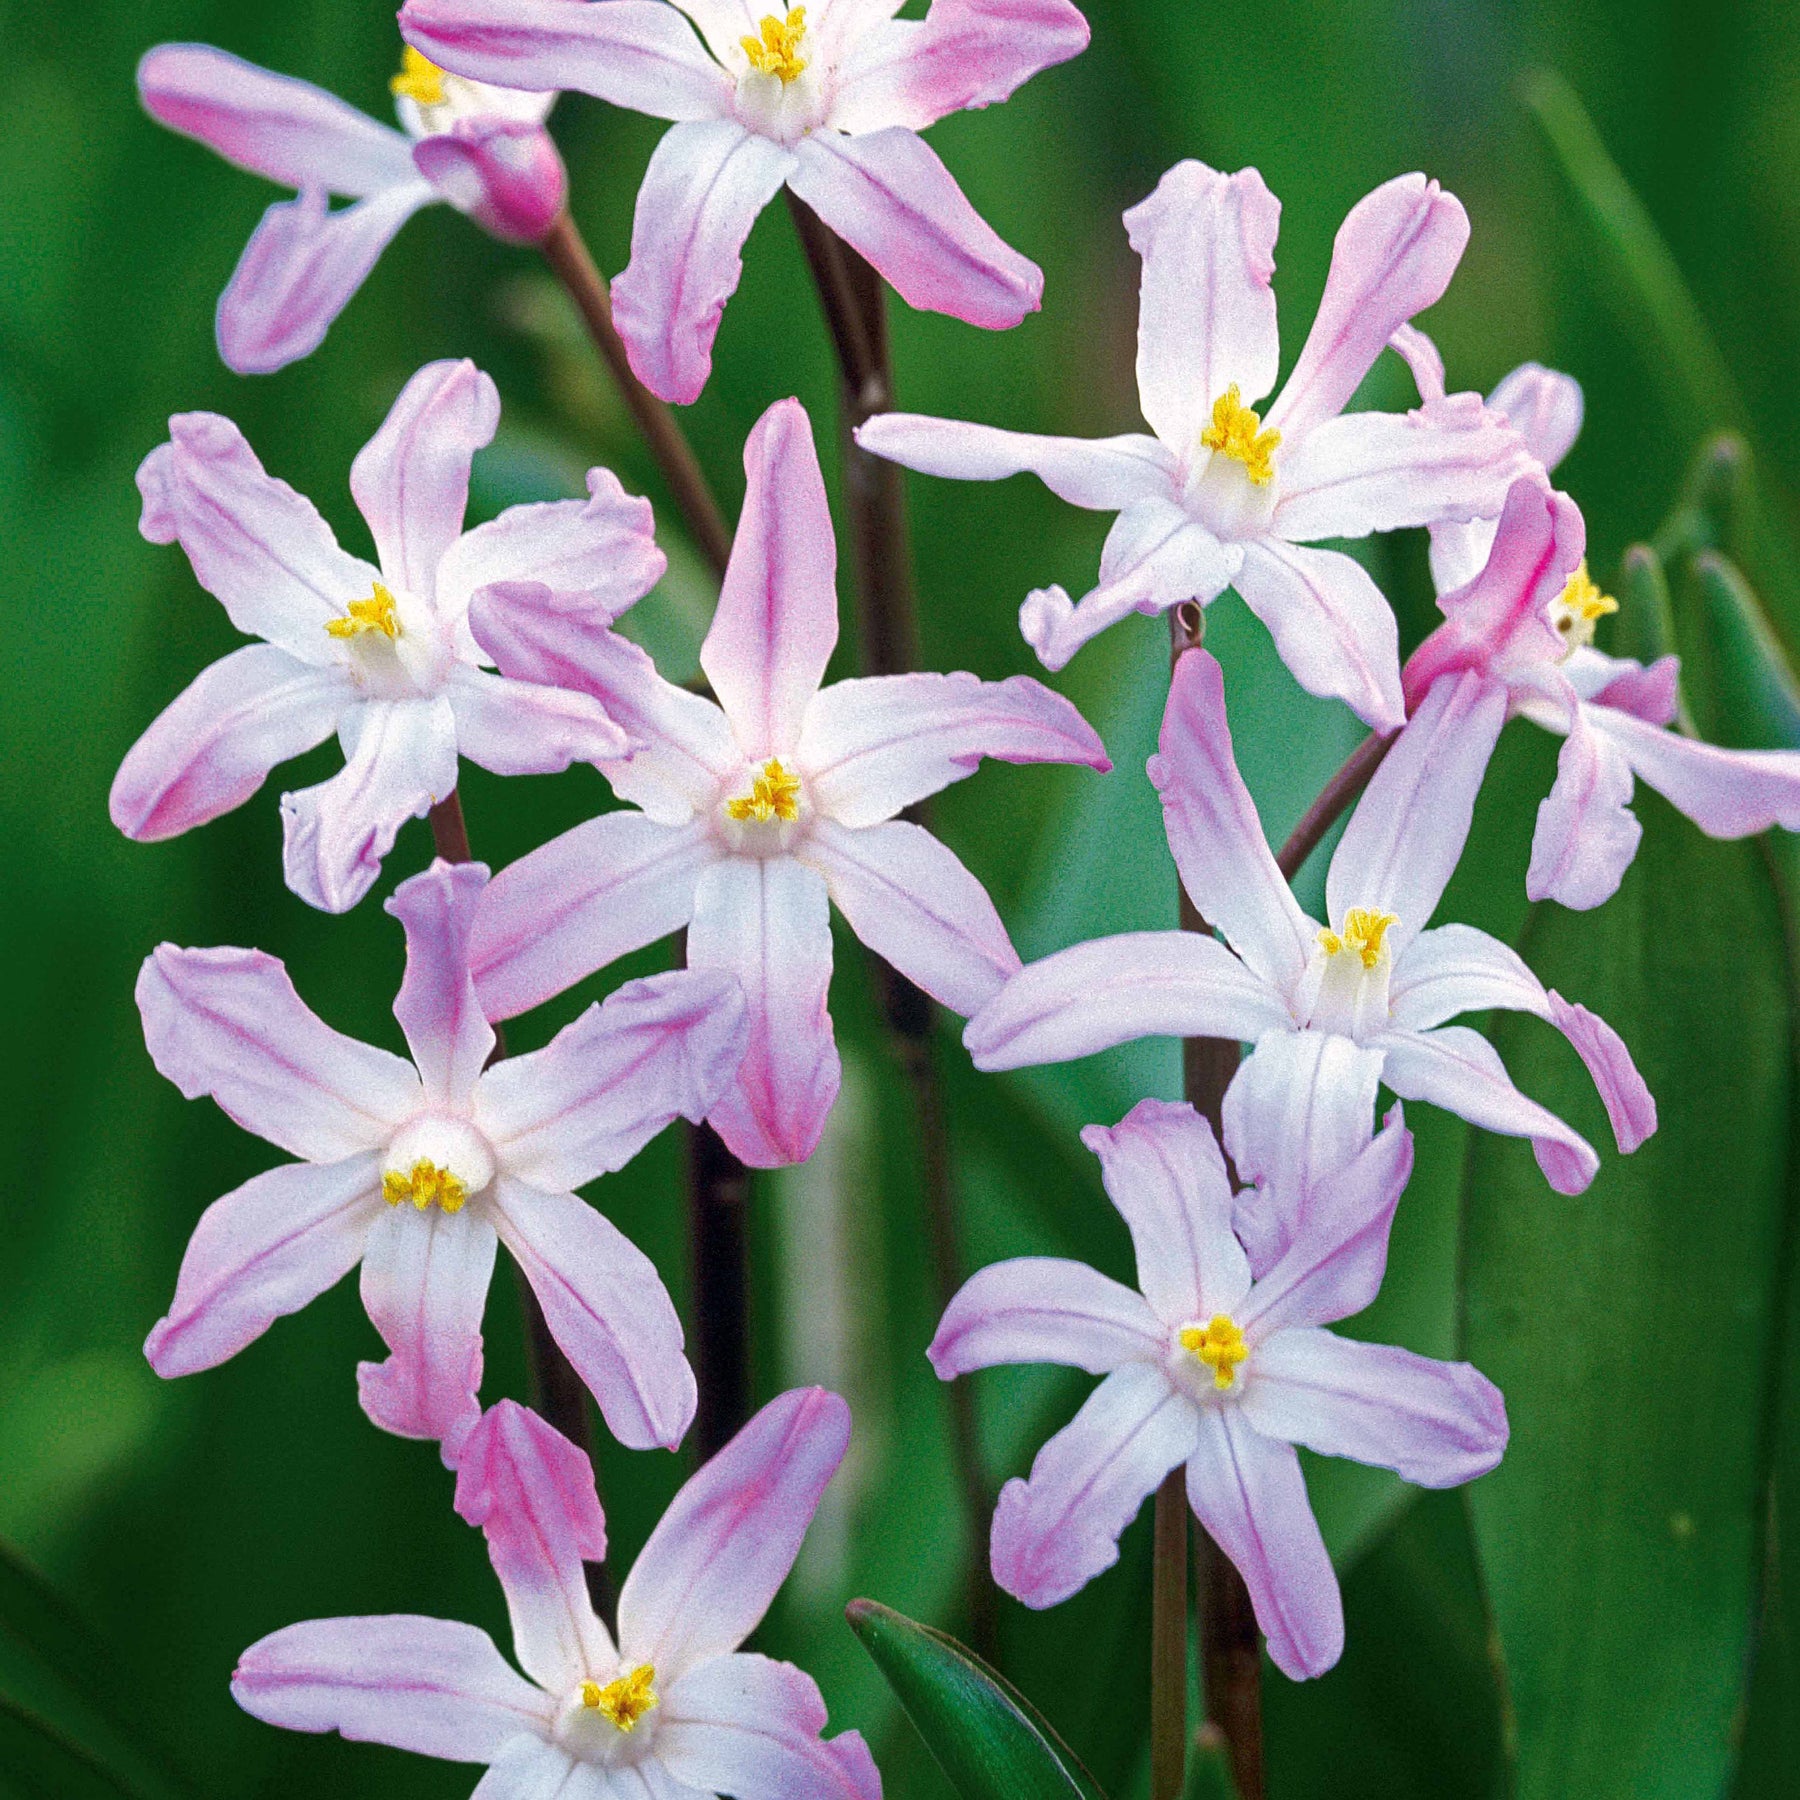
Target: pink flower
760,810
673,1711
1375,976
417,1169
827,98
482,149
1210,1367
382,656
1221,497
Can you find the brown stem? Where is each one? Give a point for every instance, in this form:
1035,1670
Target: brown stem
574,267
719,1245
1169,1641
557,1393
1334,800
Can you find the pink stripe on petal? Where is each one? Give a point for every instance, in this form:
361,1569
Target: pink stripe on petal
521,728
1651,694
1544,406
1629,1104
1727,793
445,1028
505,174
1044,1309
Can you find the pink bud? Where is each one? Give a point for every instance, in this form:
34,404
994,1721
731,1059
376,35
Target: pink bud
505,174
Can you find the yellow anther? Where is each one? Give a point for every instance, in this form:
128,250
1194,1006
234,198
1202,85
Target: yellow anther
419,79
777,51
425,1185
1237,432
1220,1346
1365,932
373,614
775,794
624,1701
1579,608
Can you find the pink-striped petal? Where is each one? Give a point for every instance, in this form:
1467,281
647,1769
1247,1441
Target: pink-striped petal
521,728
1727,793
504,173
1630,1106
1586,832
1045,1309
531,1768
1544,407
228,1023
446,1030
262,1252
1652,694
715,1560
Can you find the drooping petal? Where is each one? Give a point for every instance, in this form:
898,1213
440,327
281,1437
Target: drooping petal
1206,314
411,480
1651,693
1163,1171
1586,832
1110,990
705,186
262,1252
431,1686
713,1563
301,268
1045,1309
506,174
1459,1070
1395,253
1727,793
255,545
532,1493
750,1727
1544,406
777,621
335,835
914,904
768,922
228,1023
890,198
522,728
607,1308
1437,1424
1331,624
1403,841
1249,1493
445,1028
1055,1532
1630,1107
213,746
1215,834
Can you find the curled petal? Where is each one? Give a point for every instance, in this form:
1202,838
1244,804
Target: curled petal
445,1028
504,173
1630,1107
1652,694
521,728
1727,793
1045,1309
1586,832
1544,406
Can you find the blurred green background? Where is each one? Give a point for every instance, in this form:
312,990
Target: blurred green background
1580,1624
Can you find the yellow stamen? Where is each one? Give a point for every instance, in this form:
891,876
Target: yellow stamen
624,1701
1220,1345
419,79
1365,932
425,1184
1579,608
775,794
1237,432
373,614
777,51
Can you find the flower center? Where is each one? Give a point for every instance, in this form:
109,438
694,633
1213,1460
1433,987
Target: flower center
1236,431
625,1700
774,794
425,1185
1365,932
777,51
1578,609
1219,1346
436,1160
363,616
420,80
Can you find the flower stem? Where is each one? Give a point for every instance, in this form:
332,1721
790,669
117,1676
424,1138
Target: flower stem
573,265
855,306
1169,1641
719,1245
557,1393
1334,800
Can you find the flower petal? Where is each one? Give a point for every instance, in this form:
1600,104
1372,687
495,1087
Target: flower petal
1727,793
1586,832
1055,1532
1630,1107
446,1030
531,1768
505,173
1544,406
607,1308
705,186
1110,990
1045,1309
768,922
522,728
890,198
262,1252
213,745
228,1023
1206,315
1437,1424
712,1565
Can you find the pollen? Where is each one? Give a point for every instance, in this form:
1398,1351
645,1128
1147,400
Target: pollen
624,1701
777,51
1236,431
425,1185
1365,931
373,614
1579,608
775,794
419,79
1220,1346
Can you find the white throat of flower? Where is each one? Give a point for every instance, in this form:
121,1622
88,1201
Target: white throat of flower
1232,485
1353,968
781,82
393,645
1576,611
764,810
1214,1350
610,1721
436,1163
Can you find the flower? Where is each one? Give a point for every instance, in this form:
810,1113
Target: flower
482,149
1211,1367
827,98
417,1169
1375,976
762,808
383,657
673,1709
1224,497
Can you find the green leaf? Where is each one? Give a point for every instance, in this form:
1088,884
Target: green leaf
988,1738
1713,509
1758,682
